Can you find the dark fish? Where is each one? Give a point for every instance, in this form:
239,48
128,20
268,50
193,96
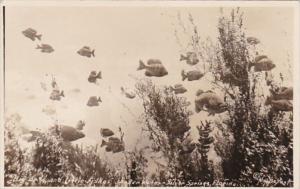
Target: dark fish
56,94
156,70
178,89
280,105
45,48
191,58
110,141
70,134
80,125
94,101
211,101
253,40
282,93
94,76
114,144
191,75
31,34
86,51
264,64
106,132
118,148
128,94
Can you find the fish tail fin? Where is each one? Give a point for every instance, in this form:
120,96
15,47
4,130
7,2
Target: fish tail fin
93,53
103,143
39,37
38,47
183,75
141,65
99,75
62,93
99,99
182,57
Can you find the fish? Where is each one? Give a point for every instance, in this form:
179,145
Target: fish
111,140
94,101
280,105
114,144
70,134
178,89
190,57
156,70
45,48
31,34
56,94
191,75
264,64
128,94
86,51
80,124
211,101
94,76
118,148
105,132
253,40
282,93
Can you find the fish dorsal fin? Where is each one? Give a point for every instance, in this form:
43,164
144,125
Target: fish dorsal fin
31,30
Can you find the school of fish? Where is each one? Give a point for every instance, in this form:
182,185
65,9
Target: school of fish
209,101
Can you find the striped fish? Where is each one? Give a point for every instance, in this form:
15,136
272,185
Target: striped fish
153,69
